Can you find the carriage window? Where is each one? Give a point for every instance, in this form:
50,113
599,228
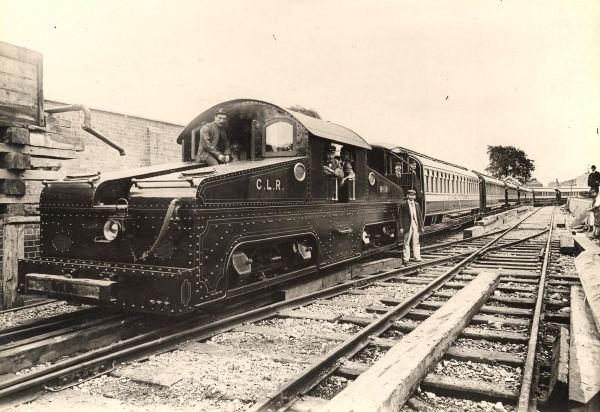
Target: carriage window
279,139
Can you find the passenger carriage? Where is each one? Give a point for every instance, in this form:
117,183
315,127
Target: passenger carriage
526,195
492,193
543,196
567,191
512,196
448,189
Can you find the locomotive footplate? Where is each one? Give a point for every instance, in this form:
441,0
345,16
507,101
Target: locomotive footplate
143,288
101,290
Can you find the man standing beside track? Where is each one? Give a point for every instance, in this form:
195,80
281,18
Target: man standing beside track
411,223
214,142
595,209
594,180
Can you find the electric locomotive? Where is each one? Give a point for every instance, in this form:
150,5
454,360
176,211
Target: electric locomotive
169,239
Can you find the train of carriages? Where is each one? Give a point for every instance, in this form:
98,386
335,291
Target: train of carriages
172,238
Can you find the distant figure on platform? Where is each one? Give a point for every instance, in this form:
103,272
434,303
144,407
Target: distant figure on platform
594,179
214,142
411,224
415,182
596,210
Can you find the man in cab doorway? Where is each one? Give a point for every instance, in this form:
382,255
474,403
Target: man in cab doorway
214,141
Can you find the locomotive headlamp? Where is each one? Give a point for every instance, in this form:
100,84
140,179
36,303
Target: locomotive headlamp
371,178
299,172
111,229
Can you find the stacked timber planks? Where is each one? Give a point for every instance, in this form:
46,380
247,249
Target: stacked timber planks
32,146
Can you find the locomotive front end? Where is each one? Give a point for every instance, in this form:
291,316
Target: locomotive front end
98,246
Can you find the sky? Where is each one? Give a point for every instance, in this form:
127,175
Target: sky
446,78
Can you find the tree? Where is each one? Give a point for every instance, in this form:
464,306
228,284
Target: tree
305,110
509,161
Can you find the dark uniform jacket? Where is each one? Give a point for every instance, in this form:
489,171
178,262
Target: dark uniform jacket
594,179
415,183
396,179
213,142
405,219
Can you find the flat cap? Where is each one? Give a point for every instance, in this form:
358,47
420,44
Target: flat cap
411,192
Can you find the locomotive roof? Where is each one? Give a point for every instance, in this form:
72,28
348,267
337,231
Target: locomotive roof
331,131
317,127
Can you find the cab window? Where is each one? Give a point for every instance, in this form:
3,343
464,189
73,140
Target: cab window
279,138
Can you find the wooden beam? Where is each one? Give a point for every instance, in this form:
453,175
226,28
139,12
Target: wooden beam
28,198
15,161
558,388
31,174
45,163
584,351
567,244
588,268
19,53
38,151
46,140
15,135
13,187
467,387
13,238
391,380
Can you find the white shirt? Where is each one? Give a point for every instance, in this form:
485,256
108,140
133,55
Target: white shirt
413,212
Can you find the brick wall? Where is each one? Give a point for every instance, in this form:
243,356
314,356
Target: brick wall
146,142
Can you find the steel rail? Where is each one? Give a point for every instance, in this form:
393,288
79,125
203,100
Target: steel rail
138,346
459,241
36,325
33,305
325,366
528,369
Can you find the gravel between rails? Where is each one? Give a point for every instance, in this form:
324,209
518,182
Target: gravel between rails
514,348
429,402
330,387
38,312
499,327
301,327
501,375
394,290
369,355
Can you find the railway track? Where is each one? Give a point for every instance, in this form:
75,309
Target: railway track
501,340
437,259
